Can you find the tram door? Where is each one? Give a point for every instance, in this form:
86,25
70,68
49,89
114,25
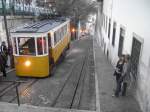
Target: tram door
49,48
135,56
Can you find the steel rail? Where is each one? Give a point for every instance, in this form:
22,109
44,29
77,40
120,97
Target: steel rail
69,76
78,82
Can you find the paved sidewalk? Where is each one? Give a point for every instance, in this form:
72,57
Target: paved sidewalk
7,70
106,83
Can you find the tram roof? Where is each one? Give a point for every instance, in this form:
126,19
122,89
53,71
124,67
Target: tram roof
40,26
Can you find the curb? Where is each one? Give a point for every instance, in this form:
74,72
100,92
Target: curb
96,83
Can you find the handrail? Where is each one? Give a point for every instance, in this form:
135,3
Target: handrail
14,85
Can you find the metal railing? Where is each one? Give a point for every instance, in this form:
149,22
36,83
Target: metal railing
22,9
14,84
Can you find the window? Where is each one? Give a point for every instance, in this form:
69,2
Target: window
0,4
55,41
39,46
26,46
42,45
109,28
106,24
135,55
68,27
59,34
104,21
64,30
121,40
45,45
114,34
56,36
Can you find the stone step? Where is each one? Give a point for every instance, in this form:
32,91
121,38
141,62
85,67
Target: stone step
9,107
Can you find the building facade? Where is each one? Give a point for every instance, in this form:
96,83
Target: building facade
125,30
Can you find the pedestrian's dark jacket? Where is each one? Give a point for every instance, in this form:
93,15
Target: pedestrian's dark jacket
119,68
4,49
1,62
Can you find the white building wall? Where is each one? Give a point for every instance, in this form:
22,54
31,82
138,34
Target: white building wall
134,16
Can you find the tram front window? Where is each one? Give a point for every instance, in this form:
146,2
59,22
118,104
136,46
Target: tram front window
41,45
26,46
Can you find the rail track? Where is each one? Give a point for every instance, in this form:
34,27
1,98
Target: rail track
12,86
77,89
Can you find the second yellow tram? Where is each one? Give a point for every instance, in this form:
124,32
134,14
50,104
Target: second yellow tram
37,47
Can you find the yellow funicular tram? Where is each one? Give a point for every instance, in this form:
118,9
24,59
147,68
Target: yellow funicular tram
38,46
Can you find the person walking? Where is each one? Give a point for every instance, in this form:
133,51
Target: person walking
117,74
2,65
4,53
126,74
119,68
10,54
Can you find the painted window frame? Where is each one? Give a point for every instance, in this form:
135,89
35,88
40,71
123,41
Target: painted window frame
122,33
114,33
109,28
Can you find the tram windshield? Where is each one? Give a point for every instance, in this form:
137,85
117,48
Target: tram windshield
30,46
26,46
41,45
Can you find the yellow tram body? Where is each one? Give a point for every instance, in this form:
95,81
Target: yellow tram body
57,51
36,51
32,66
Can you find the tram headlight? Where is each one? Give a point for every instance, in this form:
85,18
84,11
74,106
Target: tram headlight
27,63
73,30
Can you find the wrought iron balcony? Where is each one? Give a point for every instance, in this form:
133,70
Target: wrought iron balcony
22,9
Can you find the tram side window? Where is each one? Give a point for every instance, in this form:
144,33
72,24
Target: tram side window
68,27
64,30
55,41
26,46
56,36
45,45
60,34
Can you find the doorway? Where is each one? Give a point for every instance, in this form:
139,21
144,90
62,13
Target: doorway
135,56
121,41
